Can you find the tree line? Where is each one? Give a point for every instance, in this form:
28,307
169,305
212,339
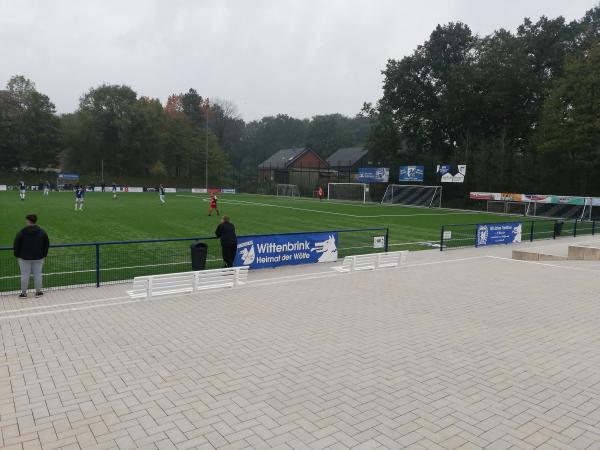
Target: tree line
521,109
124,134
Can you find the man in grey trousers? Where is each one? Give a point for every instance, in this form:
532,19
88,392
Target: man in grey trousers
30,248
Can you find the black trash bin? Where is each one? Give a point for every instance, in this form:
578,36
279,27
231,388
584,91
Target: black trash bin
558,226
199,251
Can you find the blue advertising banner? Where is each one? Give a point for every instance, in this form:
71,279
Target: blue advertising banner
373,174
411,173
286,249
498,233
69,176
443,169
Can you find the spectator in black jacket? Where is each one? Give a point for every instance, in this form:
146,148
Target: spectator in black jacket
30,248
226,233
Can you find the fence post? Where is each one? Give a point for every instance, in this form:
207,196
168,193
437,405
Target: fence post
442,239
531,232
97,265
387,235
575,229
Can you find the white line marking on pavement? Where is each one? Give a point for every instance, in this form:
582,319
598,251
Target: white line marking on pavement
580,269
57,305
107,302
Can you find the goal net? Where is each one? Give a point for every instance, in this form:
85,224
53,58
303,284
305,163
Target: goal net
288,190
507,207
411,195
564,211
347,191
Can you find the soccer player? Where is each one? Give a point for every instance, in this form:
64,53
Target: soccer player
114,190
22,190
213,204
79,195
161,193
46,188
320,193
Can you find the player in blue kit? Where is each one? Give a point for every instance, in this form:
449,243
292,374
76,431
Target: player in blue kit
79,196
22,190
114,190
161,193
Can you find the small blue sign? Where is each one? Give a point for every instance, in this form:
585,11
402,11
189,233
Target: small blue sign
498,233
373,174
276,250
411,173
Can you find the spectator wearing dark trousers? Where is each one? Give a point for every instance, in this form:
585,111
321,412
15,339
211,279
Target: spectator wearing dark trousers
226,233
30,248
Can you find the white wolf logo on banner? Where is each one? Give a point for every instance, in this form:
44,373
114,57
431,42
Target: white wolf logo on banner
517,233
247,253
482,238
328,250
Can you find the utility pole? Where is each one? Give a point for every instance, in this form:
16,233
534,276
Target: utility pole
206,110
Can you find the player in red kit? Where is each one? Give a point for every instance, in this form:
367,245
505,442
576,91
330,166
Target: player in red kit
320,193
213,204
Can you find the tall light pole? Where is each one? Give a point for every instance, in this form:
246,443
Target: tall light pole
206,109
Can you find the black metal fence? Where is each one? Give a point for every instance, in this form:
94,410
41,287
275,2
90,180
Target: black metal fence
101,263
465,235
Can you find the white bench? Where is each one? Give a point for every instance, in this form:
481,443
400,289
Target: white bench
187,282
372,261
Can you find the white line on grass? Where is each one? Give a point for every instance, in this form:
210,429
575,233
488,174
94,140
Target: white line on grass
244,202
358,203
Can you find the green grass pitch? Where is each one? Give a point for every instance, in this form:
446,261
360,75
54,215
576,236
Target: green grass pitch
141,216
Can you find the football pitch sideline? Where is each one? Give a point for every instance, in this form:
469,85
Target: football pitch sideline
136,216
141,216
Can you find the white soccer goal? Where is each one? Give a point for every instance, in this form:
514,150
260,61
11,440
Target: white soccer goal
413,195
288,190
347,191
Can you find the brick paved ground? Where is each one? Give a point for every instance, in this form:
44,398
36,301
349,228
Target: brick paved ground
459,350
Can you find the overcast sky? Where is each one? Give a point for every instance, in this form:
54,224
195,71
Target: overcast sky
299,57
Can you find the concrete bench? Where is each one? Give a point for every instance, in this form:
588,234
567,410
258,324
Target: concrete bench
187,282
372,261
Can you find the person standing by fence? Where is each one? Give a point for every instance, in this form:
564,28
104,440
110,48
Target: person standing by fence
226,233
30,248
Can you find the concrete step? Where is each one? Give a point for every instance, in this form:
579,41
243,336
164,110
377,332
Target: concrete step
532,255
580,252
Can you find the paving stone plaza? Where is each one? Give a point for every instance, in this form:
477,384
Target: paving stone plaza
460,349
